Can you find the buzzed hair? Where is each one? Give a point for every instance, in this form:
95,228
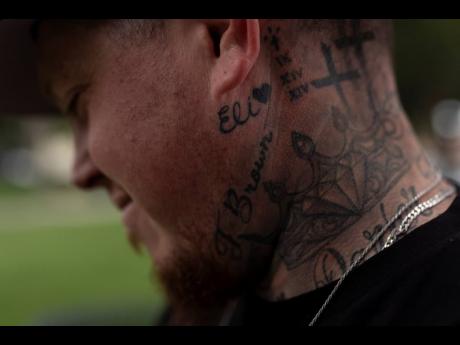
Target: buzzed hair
126,29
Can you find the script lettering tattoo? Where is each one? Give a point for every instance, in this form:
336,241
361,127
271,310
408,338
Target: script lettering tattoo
291,78
283,59
240,206
338,188
232,117
259,164
370,235
323,273
225,244
407,194
343,186
335,78
298,92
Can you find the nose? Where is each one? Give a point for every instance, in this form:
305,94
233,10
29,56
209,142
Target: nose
85,174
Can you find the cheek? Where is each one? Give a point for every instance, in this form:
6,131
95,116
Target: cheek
167,163
181,174
169,156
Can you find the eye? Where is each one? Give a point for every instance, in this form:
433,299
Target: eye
73,108
73,104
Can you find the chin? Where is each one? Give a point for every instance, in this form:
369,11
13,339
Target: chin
193,278
193,275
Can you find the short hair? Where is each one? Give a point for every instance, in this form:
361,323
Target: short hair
127,29
135,30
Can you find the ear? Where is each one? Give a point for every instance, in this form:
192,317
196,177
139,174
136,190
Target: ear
238,47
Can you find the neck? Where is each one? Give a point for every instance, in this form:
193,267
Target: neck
344,159
340,197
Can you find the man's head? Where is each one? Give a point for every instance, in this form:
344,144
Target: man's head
185,121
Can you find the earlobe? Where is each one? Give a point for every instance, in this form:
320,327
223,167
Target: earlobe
239,49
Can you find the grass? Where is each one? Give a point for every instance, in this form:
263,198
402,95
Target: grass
65,256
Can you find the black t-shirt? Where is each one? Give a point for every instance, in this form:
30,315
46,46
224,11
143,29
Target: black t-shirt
416,281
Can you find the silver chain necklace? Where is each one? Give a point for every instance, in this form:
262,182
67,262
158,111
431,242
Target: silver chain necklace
413,214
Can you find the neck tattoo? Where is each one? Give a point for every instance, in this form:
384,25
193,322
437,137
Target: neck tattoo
411,216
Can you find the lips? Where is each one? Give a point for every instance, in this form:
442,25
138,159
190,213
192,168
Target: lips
129,215
140,228
121,201
130,220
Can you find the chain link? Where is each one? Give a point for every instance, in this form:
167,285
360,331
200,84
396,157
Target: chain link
372,243
409,219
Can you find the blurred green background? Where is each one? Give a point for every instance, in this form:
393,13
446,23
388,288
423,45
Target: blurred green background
427,52
64,258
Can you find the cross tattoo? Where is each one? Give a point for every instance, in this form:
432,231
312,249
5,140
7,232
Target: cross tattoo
356,40
334,78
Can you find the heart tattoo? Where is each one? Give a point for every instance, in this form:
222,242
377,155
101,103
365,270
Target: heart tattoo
262,94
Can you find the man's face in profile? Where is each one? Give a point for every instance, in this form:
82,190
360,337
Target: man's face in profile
146,130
